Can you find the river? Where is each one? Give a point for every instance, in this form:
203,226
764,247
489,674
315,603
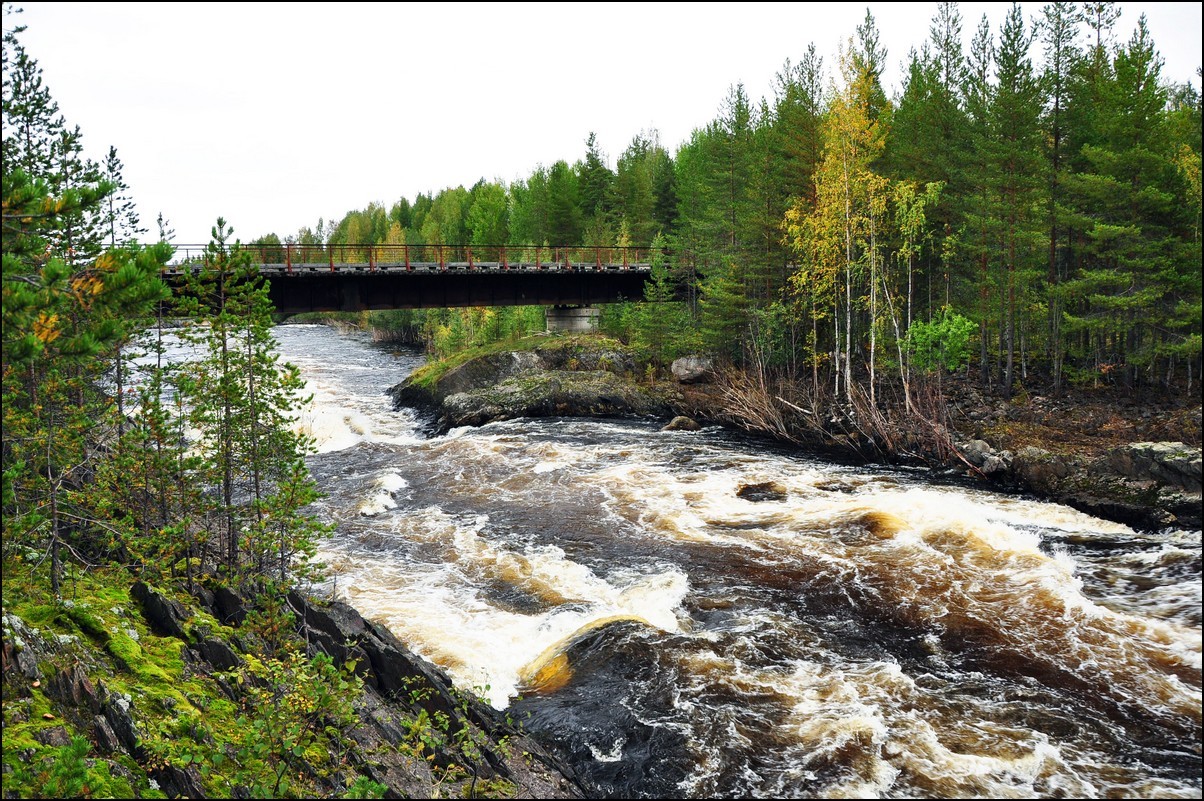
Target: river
700,614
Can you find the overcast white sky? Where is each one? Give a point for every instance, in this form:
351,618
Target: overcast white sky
273,115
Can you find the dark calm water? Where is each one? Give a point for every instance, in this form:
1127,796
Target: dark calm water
851,633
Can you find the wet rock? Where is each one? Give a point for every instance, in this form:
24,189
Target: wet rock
394,670
764,491
165,615
117,714
27,663
398,684
229,606
21,646
55,736
681,423
179,782
692,369
205,596
72,686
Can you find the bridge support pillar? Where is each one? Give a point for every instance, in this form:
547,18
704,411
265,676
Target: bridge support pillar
573,318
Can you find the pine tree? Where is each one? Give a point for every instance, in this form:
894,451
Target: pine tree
595,179
66,311
32,123
1014,165
242,408
1059,33
1140,273
120,215
564,206
80,233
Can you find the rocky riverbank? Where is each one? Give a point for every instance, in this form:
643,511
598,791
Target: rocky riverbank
1099,453
176,696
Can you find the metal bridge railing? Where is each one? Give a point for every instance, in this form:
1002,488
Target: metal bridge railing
425,257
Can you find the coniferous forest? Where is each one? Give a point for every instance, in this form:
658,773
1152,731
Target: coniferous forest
1029,208
1024,214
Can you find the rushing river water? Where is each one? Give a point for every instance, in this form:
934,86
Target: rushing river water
697,614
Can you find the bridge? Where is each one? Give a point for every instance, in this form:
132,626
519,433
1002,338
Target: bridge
305,278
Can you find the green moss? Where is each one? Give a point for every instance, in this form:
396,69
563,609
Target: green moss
427,376
496,787
126,651
88,622
37,615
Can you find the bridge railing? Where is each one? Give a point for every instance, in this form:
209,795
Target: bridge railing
426,257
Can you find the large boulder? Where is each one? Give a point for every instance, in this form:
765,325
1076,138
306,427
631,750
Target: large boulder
682,423
1172,463
987,459
571,355
1041,470
487,370
977,451
692,369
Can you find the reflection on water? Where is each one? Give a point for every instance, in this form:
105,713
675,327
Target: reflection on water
851,633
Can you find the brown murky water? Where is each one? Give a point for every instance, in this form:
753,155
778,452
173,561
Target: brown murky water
854,633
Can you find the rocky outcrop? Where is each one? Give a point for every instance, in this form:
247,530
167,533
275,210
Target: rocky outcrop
412,731
1171,463
557,393
165,616
1145,485
565,378
399,684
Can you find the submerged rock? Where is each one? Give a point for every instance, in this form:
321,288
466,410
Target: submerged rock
764,491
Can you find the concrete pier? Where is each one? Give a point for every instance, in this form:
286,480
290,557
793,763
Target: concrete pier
573,318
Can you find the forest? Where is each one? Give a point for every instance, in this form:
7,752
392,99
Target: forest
1029,209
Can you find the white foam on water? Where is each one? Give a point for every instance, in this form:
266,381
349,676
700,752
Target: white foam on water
440,610
383,492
